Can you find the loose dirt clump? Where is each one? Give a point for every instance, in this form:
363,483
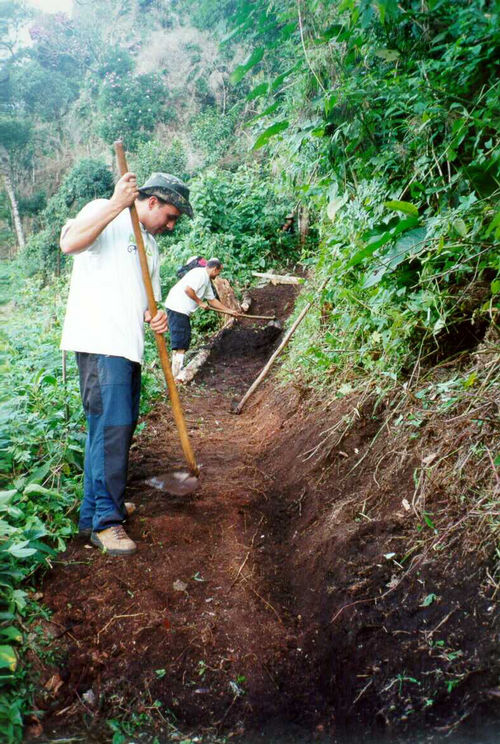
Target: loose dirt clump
294,596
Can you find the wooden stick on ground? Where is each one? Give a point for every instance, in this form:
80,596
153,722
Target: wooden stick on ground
276,353
279,278
243,315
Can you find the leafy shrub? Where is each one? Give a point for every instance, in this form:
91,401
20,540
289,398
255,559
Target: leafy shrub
32,205
87,180
130,107
211,131
155,156
372,119
41,460
115,60
238,218
47,93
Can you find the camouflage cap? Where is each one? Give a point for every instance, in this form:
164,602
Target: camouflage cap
170,189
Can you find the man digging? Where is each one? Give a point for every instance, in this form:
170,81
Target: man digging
194,290
104,325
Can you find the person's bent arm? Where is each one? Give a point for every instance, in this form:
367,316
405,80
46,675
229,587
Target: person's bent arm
193,296
81,232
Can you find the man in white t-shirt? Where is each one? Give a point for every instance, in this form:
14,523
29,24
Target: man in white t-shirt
194,290
104,325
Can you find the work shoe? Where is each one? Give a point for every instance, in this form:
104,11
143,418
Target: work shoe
114,541
130,508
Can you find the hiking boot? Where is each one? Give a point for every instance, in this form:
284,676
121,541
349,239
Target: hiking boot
114,541
130,508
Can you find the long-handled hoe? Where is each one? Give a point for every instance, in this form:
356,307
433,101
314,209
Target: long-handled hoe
176,482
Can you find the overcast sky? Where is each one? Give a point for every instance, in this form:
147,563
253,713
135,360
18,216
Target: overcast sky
52,6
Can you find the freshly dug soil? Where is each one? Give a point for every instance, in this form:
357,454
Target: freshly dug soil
272,604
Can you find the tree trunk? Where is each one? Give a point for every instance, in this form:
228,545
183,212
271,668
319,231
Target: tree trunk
13,202
303,224
226,294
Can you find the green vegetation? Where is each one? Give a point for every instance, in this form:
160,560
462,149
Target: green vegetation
375,122
42,459
398,164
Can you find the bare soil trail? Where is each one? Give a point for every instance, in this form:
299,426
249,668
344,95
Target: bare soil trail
250,603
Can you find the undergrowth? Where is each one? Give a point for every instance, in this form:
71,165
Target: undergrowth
42,439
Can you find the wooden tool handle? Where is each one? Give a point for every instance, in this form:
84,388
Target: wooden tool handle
180,421
243,315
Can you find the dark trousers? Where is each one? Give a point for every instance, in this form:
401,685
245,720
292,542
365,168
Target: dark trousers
179,327
110,389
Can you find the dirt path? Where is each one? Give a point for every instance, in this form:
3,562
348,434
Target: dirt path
188,621
280,595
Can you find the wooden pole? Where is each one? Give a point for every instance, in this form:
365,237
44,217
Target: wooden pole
276,353
243,315
160,338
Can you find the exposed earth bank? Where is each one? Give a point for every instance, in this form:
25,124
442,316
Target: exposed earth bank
302,592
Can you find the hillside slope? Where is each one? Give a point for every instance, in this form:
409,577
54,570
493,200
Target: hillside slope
306,591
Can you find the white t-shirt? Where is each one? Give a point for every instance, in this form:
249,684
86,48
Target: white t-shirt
107,299
199,281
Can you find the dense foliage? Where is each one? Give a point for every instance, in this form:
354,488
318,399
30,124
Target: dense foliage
40,468
387,129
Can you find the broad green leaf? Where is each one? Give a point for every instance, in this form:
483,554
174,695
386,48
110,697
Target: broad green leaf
259,90
281,78
269,110
399,252
379,239
469,382
37,488
287,31
407,243
333,31
19,550
387,9
460,226
494,226
495,286
374,277
389,55
11,634
428,521
39,474
274,129
365,252
19,599
8,658
7,496
240,72
334,205
404,225
402,206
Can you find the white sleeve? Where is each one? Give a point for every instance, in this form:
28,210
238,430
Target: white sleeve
196,281
155,275
155,281
93,207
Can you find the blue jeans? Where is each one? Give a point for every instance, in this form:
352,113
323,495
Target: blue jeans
110,389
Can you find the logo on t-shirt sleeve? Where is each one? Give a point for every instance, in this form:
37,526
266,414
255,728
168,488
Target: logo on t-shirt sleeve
132,247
